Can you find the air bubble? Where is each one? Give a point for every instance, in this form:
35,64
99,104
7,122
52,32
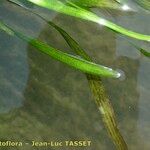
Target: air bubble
121,75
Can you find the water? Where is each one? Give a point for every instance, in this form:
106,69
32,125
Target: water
44,100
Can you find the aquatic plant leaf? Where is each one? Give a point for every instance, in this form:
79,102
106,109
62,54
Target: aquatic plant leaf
6,29
73,61
142,50
97,89
144,3
72,43
99,93
145,53
22,3
97,3
60,7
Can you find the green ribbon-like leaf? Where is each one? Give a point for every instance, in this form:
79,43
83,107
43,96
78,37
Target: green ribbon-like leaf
73,61
58,6
97,3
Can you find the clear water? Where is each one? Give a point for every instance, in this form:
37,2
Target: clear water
42,99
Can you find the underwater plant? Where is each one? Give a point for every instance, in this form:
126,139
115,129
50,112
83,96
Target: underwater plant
79,12
144,3
82,62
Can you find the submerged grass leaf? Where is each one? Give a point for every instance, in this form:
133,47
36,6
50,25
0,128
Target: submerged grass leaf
72,43
144,52
73,61
7,30
60,7
97,88
97,3
144,3
98,91
100,96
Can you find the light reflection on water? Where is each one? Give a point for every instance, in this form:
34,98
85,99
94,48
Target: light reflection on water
49,97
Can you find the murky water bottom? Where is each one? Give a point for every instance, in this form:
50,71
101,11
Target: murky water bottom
44,100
